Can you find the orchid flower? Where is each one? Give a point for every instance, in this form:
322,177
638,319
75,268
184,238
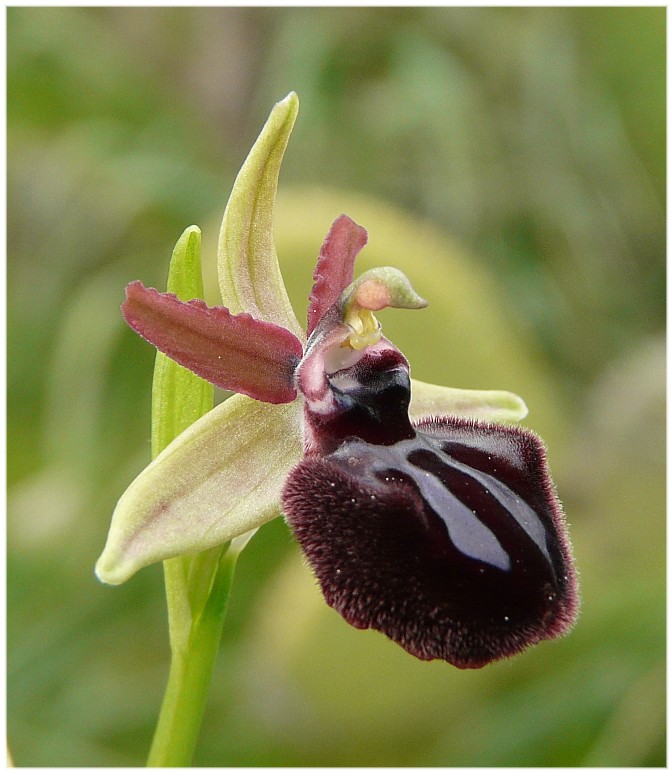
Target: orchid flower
422,510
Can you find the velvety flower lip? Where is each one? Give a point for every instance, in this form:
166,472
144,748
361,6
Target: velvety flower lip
420,516
450,541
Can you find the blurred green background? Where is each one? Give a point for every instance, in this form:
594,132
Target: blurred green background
512,162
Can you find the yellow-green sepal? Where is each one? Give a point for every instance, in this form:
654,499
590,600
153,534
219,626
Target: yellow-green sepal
247,263
484,405
218,479
179,397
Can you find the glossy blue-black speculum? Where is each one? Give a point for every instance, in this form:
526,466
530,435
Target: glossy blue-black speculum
446,536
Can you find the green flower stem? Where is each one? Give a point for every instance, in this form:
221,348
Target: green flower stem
198,586
190,673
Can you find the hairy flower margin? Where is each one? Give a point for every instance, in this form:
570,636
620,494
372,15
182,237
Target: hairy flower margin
421,514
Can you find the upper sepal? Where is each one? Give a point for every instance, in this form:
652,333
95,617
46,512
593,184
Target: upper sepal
235,352
247,263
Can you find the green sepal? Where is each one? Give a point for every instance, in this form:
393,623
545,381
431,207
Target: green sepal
247,263
179,397
219,479
485,405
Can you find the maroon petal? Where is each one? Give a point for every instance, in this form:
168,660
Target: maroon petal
334,270
235,352
451,543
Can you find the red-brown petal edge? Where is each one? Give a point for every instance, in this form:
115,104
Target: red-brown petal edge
335,267
235,352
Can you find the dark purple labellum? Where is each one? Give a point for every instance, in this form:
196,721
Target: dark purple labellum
447,536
